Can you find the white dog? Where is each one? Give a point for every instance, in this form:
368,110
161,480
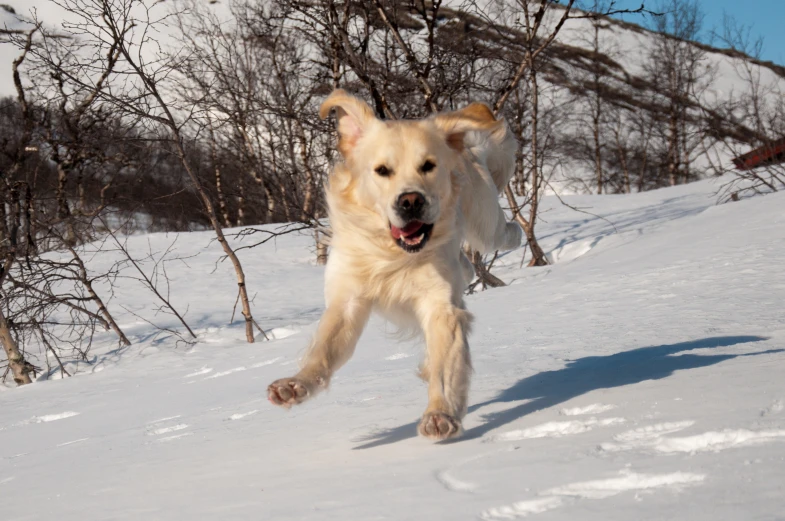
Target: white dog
402,202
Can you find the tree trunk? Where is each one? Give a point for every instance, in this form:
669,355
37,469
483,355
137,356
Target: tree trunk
20,368
3,222
63,210
321,249
538,256
673,148
598,150
597,112
241,202
621,151
224,211
213,216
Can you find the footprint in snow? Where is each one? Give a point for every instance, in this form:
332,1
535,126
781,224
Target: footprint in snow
241,415
595,408
227,372
200,372
80,440
161,420
453,484
653,437
555,429
47,418
279,333
596,489
164,430
776,407
267,362
398,356
243,368
159,427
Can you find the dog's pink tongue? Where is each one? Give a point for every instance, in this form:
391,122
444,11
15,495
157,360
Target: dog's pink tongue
410,229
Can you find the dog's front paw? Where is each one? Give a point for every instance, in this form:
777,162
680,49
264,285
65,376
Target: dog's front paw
287,392
439,426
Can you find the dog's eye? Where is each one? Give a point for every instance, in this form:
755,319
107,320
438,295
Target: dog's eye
427,167
382,170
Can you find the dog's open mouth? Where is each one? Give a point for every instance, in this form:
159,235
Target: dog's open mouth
413,236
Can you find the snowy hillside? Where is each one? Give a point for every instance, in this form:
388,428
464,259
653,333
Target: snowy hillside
639,377
613,72
623,47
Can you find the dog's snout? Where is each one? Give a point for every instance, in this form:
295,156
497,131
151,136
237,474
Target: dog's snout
411,204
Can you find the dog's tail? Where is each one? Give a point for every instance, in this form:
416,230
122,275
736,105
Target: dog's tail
493,161
497,151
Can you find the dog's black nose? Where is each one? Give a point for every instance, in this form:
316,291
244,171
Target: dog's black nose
410,205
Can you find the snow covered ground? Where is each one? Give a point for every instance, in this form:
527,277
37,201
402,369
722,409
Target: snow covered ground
640,377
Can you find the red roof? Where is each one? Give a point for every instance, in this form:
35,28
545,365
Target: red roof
767,154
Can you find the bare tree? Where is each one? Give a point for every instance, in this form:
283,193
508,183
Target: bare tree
125,27
755,115
681,71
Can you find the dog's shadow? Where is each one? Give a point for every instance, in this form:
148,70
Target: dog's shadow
581,376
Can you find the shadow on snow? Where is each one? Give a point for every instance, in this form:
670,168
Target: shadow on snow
550,388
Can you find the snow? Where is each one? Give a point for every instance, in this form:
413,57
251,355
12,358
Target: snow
556,429
641,379
594,408
598,489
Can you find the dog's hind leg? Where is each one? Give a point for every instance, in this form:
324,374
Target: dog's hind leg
336,337
448,370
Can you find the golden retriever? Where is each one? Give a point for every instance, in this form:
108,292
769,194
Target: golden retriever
406,197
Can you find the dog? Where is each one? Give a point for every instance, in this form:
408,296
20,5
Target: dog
406,197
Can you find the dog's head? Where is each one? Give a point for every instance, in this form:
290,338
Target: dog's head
404,170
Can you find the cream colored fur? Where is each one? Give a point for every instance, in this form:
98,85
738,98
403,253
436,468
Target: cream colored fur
367,270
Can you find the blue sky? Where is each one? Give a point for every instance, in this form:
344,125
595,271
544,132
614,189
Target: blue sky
765,16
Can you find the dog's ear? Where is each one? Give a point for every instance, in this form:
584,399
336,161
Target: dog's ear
476,116
353,116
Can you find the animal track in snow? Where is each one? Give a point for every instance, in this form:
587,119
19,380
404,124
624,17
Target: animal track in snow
775,408
164,430
46,418
454,484
555,429
715,441
653,431
227,372
243,368
72,442
267,362
644,436
596,489
652,437
241,415
281,332
200,372
595,408
174,437
398,356
155,430
53,417
163,420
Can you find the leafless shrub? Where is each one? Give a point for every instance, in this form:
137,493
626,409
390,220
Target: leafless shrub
758,109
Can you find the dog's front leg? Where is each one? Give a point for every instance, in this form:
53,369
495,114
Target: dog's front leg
448,369
336,337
